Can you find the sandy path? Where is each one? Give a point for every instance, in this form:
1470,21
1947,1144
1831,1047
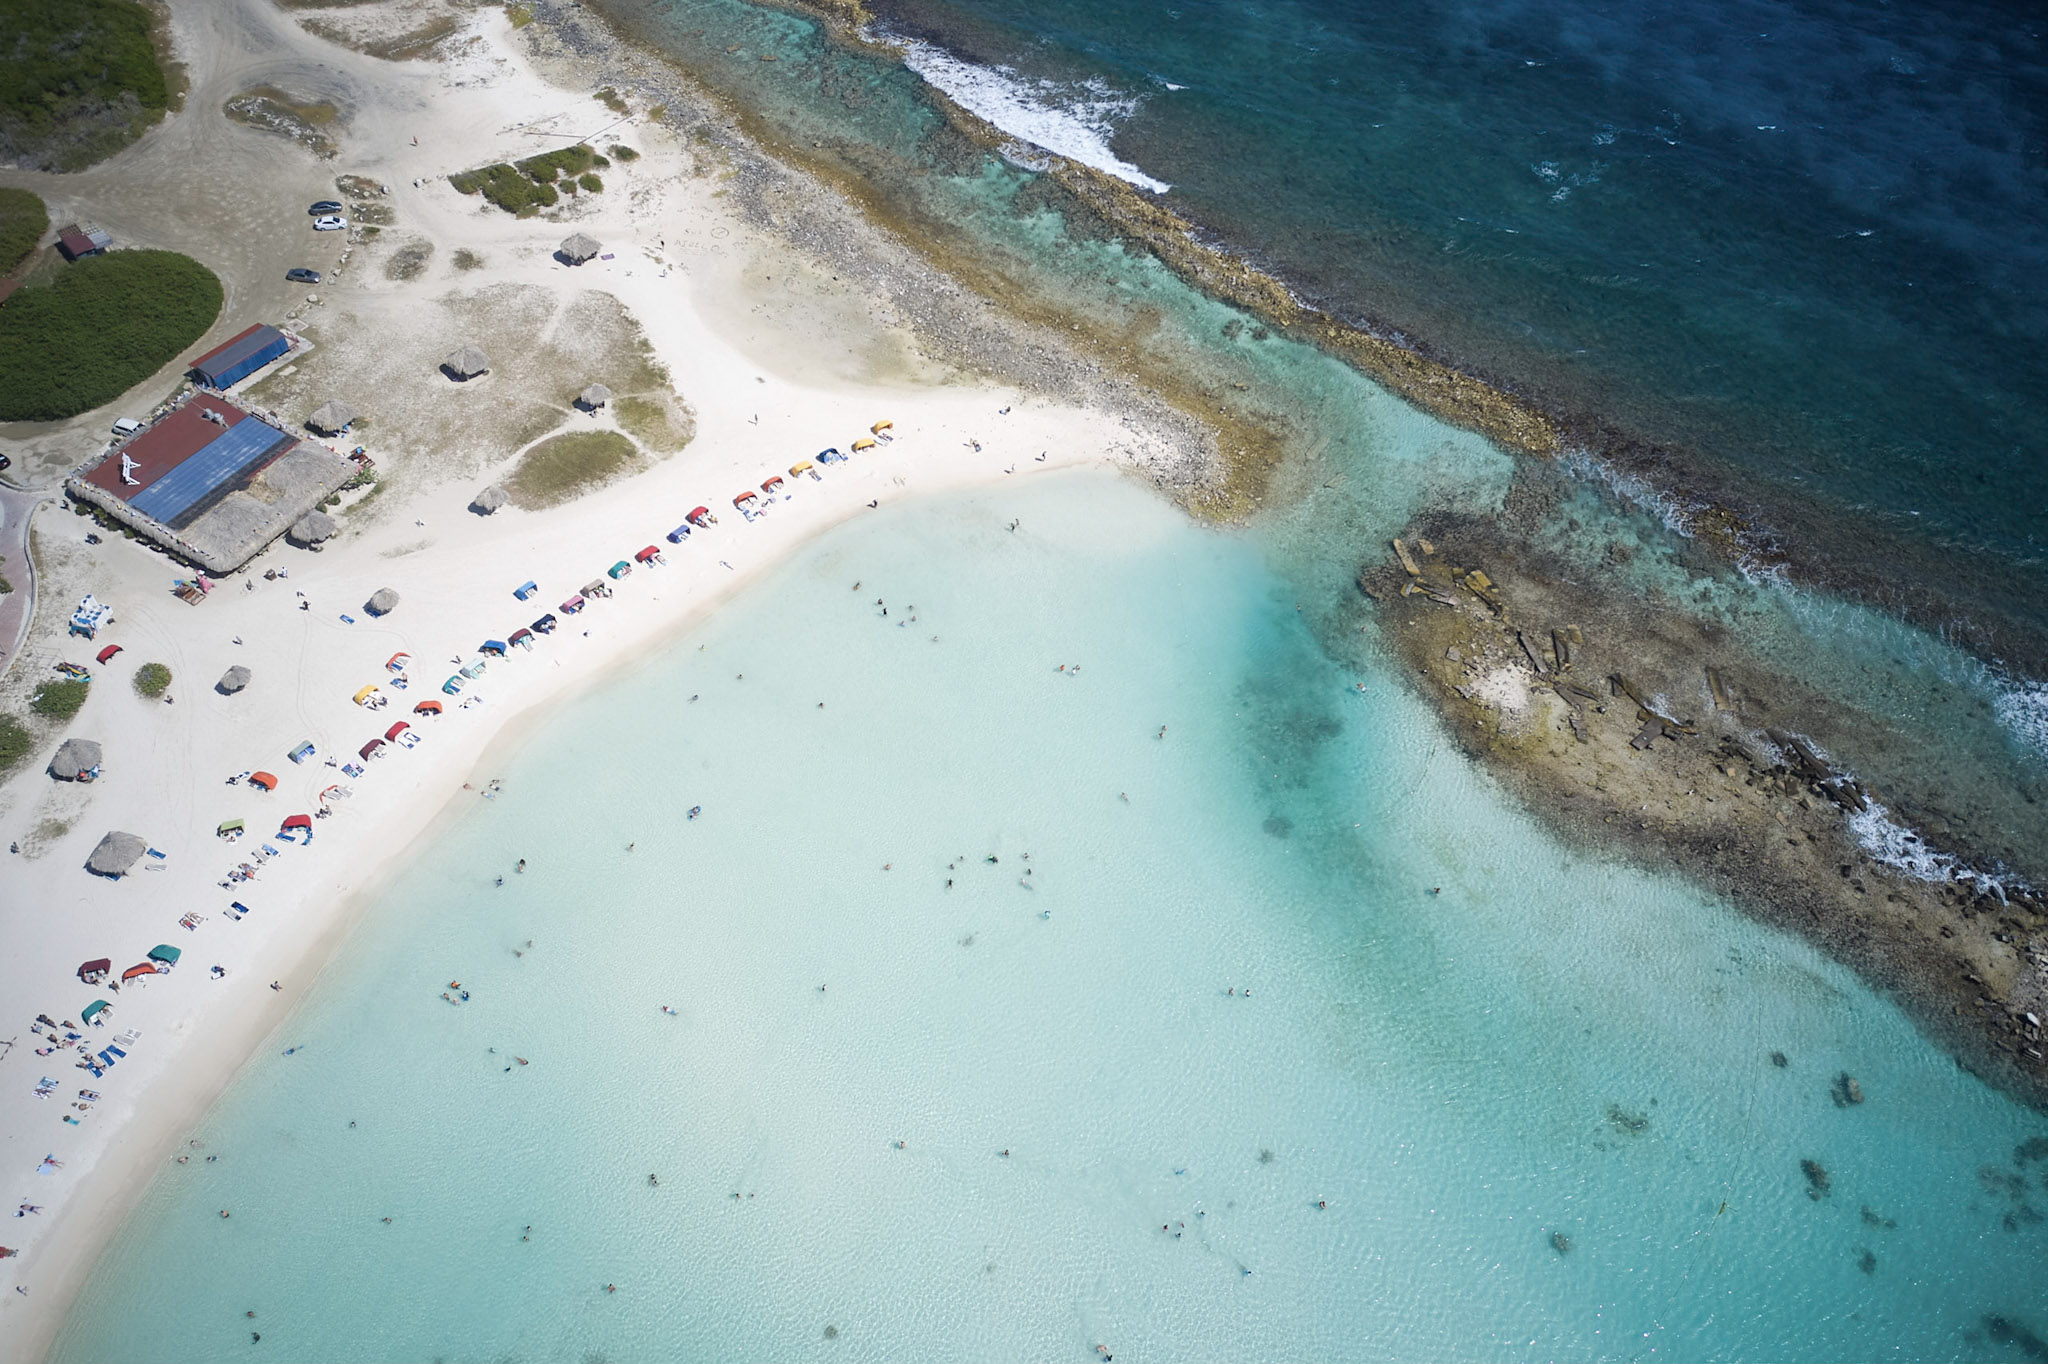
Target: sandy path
759,406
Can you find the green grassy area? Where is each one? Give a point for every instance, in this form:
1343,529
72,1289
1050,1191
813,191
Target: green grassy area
23,221
152,680
79,80
59,700
526,187
99,327
567,466
16,741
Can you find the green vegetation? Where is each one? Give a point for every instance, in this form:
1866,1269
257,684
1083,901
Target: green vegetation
524,188
79,80
612,100
569,465
15,741
466,259
59,700
152,680
102,325
280,112
621,152
23,221
590,182
520,15
649,421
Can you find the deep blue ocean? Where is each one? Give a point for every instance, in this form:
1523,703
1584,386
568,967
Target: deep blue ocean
1799,246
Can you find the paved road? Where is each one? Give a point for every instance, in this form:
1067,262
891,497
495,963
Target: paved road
18,606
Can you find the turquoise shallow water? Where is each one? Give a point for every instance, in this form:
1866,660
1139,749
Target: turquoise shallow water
1549,1045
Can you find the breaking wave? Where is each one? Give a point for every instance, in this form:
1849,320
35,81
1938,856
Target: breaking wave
1074,120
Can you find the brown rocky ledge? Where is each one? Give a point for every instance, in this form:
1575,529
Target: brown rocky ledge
1640,731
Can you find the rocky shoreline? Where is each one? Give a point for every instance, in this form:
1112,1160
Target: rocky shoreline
1643,732
1734,796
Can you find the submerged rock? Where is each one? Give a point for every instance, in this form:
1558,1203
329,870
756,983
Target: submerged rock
1846,1091
1561,1243
1817,1185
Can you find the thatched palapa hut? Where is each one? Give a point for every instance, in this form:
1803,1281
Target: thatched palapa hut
382,602
578,248
116,855
76,760
594,397
466,364
488,501
332,418
232,681
309,530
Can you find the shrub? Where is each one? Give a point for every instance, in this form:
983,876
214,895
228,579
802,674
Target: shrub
102,325
79,81
621,152
23,221
152,680
59,700
466,259
520,15
15,741
508,188
590,182
612,100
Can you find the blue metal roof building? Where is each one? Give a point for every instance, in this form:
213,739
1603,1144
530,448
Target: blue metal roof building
241,356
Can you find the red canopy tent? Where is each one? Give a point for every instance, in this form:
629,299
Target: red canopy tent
427,708
369,749
264,780
392,733
95,970
147,968
109,652
297,822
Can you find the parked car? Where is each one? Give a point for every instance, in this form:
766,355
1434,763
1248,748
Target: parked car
126,426
324,206
301,275
5,463
330,223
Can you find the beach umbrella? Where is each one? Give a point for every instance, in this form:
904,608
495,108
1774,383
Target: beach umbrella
488,501
578,248
312,528
232,681
116,854
594,397
332,417
76,760
382,602
466,363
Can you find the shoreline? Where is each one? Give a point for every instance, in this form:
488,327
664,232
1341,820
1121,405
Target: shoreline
931,412
1710,509
454,584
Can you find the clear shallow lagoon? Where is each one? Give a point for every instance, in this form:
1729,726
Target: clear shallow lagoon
1552,1044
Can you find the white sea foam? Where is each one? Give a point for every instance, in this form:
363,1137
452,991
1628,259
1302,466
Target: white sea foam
2022,707
1893,845
1072,119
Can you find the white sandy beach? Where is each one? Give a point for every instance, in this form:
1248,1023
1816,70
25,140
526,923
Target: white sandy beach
762,399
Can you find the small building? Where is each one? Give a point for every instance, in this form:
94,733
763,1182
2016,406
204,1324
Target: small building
332,417
578,248
466,364
594,397
79,240
241,356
